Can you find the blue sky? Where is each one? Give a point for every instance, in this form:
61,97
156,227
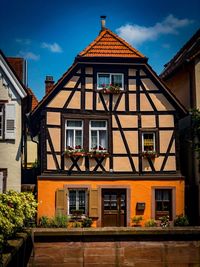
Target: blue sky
49,34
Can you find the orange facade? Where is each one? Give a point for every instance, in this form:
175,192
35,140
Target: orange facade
138,192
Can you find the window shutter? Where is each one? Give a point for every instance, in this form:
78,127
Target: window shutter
94,203
10,118
61,201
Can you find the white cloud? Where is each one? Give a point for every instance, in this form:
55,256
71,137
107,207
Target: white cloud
23,41
55,48
139,34
29,55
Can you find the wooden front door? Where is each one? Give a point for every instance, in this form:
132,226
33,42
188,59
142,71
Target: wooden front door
113,207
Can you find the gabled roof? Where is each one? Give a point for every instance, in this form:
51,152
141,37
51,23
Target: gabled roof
187,53
34,101
13,78
18,66
108,44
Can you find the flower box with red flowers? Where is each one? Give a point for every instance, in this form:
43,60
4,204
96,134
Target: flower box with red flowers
111,89
75,152
98,152
149,154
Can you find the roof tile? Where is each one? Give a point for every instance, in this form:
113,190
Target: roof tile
108,44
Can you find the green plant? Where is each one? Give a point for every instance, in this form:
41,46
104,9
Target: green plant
59,221
44,222
151,223
17,210
181,220
77,224
87,222
164,221
136,220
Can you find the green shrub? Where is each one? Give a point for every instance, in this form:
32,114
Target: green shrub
87,222
16,211
151,223
136,220
181,220
44,222
59,221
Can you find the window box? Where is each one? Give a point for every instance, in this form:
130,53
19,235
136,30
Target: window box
98,154
149,154
111,89
77,152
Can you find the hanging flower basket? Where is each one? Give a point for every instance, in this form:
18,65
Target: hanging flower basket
149,154
75,152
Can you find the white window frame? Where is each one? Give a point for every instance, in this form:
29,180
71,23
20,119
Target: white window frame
122,75
77,200
74,130
154,140
2,116
97,129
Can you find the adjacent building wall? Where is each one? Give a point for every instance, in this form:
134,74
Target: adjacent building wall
10,152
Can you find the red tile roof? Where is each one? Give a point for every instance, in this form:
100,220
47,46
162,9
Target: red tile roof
34,102
108,44
18,66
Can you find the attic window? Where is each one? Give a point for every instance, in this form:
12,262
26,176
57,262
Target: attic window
104,80
148,142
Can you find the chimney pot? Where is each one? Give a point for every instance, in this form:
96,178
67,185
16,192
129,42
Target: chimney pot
103,22
49,82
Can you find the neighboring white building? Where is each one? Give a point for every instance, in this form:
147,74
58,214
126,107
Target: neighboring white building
13,102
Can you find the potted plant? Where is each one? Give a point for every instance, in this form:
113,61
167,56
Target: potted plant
78,151
136,220
151,223
164,221
181,220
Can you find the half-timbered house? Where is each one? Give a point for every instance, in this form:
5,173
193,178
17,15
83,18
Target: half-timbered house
108,138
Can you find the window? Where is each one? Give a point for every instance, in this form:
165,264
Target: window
1,121
74,134
104,80
148,142
163,203
77,200
1,182
98,135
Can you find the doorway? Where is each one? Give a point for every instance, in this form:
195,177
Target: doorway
113,207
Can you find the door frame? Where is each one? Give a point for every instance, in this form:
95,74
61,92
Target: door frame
128,202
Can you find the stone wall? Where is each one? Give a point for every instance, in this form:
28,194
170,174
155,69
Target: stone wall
122,250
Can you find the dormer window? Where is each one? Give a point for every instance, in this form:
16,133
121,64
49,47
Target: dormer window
105,80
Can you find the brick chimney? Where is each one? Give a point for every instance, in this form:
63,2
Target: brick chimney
49,82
